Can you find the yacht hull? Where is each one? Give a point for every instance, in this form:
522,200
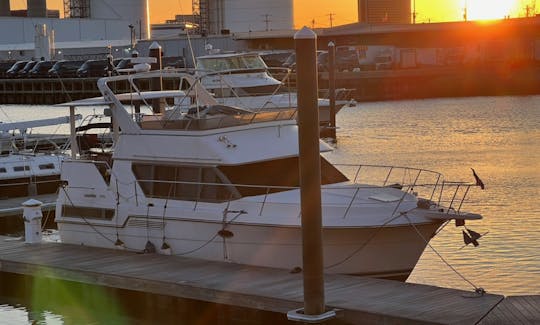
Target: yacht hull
388,252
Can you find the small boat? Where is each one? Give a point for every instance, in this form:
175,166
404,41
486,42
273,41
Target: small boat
30,164
30,172
220,183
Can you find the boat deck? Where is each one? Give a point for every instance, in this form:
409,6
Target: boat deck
358,300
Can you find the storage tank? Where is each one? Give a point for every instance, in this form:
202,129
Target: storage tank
250,15
36,8
135,12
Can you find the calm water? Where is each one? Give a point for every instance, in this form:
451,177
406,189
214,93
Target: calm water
497,136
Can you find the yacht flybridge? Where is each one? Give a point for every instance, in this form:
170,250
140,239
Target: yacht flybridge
243,79
219,183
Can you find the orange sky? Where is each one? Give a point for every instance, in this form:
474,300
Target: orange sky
345,11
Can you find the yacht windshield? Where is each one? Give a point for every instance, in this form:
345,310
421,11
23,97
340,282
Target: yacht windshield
231,63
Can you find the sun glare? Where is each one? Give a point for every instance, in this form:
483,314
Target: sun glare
489,9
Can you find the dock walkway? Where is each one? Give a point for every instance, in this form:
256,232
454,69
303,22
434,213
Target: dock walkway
358,300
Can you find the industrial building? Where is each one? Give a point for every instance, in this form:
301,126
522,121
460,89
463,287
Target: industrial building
384,11
92,28
231,16
89,28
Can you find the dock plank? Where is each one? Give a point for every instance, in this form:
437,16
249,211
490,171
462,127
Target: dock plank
515,310
360,300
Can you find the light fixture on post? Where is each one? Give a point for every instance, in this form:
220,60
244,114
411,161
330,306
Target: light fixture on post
132,35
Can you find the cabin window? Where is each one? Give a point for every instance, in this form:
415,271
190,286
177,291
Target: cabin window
3,170
254,62
183,183
231,63
279,173
21,168
87,212
46,166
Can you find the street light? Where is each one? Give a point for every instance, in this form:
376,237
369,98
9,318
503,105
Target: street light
132,35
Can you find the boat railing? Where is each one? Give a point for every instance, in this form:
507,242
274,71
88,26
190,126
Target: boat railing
423,183
195,96
218,121
282,74
448,196
28,186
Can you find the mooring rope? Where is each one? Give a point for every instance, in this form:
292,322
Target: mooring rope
477,289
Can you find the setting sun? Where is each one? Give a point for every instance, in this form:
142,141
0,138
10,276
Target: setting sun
489,9
323,13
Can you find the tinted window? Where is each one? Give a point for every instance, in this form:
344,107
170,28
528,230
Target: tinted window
83,212
46,166
183,183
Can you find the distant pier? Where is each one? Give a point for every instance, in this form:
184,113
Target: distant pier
373,85
50,91
357,300
434,82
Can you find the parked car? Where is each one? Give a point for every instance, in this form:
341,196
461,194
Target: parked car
322,61
127,65
4,67
347,58
173,62
41,69
93,68
24,71
384,62
275,58
290,63
65,69
12,72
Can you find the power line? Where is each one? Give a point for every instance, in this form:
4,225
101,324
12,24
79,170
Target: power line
331,17
267,21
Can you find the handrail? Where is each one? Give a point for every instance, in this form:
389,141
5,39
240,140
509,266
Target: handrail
349,190
30,181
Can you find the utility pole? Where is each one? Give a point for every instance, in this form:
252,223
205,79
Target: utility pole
465,12
331,16
267,21
530,9
414,12
313,23
132,35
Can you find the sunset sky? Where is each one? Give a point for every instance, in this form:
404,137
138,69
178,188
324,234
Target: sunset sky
345,11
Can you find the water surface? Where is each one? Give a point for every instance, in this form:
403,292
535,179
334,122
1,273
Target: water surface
497,136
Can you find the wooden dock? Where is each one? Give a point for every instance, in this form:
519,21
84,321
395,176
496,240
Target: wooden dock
358,300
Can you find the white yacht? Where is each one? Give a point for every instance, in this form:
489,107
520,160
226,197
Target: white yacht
243,80
219,183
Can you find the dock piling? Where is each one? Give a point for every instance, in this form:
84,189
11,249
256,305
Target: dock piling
310,180
156,83
332,88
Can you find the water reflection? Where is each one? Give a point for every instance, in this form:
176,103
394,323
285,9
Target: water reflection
499,137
